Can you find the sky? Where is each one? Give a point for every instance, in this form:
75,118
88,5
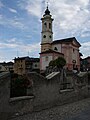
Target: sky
20,25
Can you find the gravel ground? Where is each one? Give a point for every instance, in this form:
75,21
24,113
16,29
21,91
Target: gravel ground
73,111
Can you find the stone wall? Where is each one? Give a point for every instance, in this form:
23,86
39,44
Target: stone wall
4,96
12,106
21,105
46,93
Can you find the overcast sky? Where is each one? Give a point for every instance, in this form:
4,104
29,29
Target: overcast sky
20,25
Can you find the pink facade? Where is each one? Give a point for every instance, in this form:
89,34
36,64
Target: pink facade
71,54
70,48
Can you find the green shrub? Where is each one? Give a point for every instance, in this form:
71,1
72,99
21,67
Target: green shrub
59,62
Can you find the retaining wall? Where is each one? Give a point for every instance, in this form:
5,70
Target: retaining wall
46,93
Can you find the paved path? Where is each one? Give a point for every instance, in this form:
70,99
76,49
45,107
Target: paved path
84,115
3,74
75,111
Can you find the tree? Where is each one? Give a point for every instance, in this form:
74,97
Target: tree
52,63
59,62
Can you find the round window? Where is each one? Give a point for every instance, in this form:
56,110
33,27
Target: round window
44,36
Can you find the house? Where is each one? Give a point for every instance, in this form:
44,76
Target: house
85,64
24,65
2,68
6,66
52,49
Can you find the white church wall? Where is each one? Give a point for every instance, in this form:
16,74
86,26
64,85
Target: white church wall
45,61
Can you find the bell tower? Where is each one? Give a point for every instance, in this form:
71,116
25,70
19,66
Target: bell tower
46,34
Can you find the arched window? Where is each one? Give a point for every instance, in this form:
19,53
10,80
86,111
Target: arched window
56,49
49,25
45,25
46,58
35,65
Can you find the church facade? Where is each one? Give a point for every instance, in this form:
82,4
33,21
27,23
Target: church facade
52,49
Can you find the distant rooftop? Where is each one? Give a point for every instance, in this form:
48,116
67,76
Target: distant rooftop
28,58
6,63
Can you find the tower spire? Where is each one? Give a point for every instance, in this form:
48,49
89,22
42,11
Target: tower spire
47,33
47,4
47,12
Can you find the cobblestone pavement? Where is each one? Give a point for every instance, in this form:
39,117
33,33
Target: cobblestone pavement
75,111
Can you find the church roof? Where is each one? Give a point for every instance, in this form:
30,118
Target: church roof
51,51
66,40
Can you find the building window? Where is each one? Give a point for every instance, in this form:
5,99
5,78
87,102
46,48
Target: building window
35,65
45,25
49,25
73,50
50,36
56,49
44,36
46,59
0,67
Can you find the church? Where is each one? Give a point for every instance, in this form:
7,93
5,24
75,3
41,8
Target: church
52,49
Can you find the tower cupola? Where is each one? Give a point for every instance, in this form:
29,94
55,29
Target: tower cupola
47,12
